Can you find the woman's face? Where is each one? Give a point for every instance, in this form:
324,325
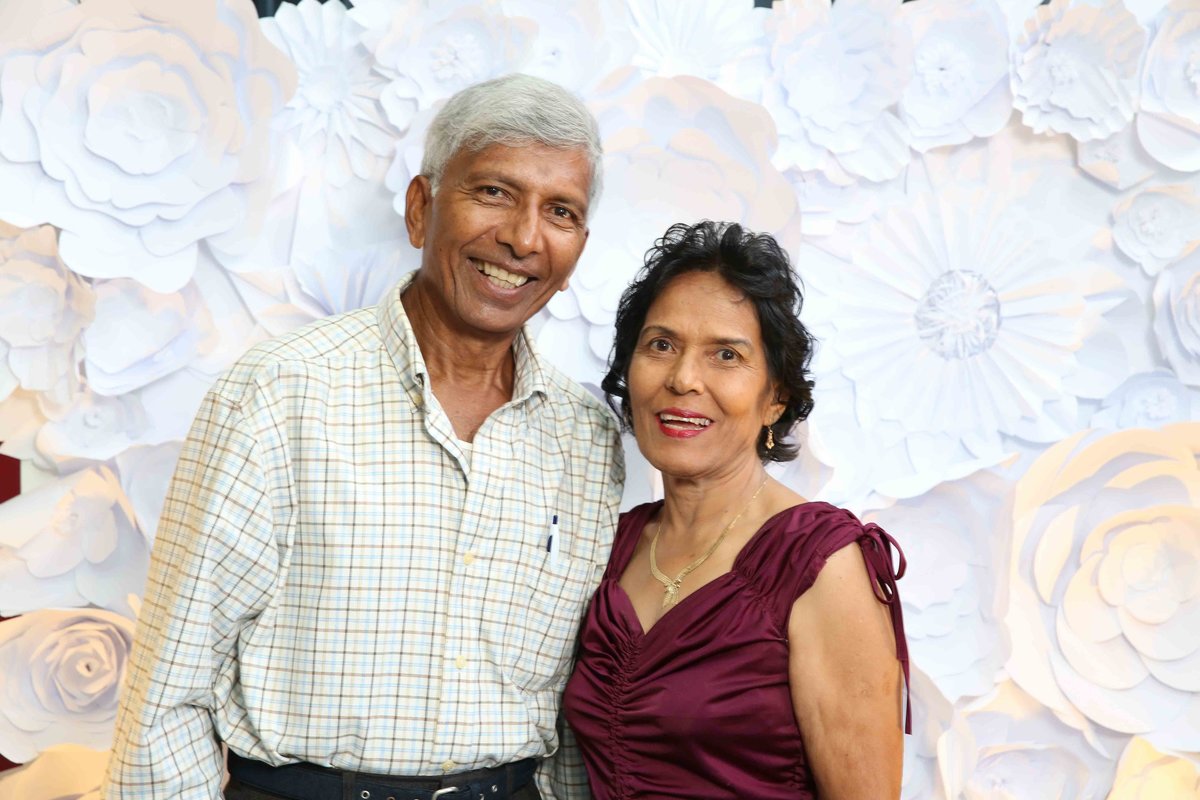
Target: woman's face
700,391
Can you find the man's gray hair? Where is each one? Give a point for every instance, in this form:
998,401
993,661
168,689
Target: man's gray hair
512,110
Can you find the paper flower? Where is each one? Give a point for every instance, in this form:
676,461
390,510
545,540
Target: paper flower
1168,124
952,612
1147,774
837,72
60,672
71,542
959,87
140,130
92,428
1177,318
712,39
1148,400
145,474
335,117
429,54
61,772
941,751
1026,751
951,332
1158,226
1075,68
140,335
43,309
1119,161
675,149
577,44
1103,596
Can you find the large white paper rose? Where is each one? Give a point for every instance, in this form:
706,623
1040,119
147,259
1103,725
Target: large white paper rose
1168,123
71,542
141,129
1075,68
1148,400
1025,751
952,608
676,149
60,672
1177,317
335,117
959,87
43,309
62,772
429,53
1104,600
837,72
1144,773
1158,226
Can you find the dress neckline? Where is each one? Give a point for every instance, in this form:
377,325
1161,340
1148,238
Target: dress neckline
648,511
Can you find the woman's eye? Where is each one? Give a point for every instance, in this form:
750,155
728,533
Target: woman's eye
725,354
660,345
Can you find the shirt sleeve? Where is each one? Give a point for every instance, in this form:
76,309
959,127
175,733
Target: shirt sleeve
563,776
213,567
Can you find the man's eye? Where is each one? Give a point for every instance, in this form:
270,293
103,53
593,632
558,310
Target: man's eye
562,212
493,191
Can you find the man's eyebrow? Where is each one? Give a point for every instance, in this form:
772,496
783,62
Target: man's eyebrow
490,176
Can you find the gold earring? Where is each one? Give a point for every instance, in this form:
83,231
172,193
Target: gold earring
770,438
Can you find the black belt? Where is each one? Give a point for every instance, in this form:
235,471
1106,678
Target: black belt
309,782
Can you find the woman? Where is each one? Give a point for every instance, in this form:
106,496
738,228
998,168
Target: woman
744,641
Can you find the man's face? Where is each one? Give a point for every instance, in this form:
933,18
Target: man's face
501,236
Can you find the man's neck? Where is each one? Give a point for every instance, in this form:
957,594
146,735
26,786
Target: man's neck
471,375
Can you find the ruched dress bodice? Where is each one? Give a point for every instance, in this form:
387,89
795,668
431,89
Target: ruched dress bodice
700,706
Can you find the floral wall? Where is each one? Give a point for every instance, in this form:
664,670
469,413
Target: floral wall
994,206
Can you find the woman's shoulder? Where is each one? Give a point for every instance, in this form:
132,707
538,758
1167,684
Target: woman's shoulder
797,539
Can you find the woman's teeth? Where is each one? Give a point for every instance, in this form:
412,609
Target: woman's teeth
696,422
501,278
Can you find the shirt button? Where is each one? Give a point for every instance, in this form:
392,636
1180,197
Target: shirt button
469,558
448,765
460,662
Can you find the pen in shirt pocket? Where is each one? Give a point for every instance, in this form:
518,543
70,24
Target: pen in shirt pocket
554,541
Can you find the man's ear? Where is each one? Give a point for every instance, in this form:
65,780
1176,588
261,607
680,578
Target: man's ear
418,202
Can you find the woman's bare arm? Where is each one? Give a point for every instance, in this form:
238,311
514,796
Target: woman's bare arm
845,682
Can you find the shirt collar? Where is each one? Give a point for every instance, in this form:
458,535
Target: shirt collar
401,344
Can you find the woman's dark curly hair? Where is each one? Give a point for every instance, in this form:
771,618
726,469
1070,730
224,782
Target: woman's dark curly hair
753,263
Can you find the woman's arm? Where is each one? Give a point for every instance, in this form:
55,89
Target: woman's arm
845,683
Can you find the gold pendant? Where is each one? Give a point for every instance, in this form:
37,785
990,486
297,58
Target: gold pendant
671,595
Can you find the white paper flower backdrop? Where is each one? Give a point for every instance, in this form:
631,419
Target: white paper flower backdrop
995,206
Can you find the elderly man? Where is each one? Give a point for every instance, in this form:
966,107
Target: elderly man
384,527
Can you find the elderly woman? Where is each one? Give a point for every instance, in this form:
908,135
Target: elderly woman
744,641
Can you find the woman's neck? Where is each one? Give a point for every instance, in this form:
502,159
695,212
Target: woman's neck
700,509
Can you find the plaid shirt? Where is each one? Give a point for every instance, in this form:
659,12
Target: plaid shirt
334,581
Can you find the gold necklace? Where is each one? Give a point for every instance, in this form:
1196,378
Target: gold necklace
671,585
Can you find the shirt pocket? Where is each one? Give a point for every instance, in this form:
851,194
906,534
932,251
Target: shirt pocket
547,608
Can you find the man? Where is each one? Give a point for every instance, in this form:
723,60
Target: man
384,527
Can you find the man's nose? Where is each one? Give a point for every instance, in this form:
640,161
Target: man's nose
522,231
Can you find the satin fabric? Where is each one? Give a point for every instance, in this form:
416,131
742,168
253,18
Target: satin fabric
700,706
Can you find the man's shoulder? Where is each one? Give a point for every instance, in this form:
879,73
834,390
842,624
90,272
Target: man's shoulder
325,343
571,394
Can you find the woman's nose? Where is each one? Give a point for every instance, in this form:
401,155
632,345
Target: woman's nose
684,377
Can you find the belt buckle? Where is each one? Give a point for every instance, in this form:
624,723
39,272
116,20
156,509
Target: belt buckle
448,790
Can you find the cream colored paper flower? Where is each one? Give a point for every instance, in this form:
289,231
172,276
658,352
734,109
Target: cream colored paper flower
1147,774
60,672
1105,583
141,129
62,772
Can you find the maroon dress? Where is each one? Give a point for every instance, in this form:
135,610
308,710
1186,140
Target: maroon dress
700,706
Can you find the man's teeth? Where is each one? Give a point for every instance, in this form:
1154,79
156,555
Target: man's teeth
697,421
501,277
